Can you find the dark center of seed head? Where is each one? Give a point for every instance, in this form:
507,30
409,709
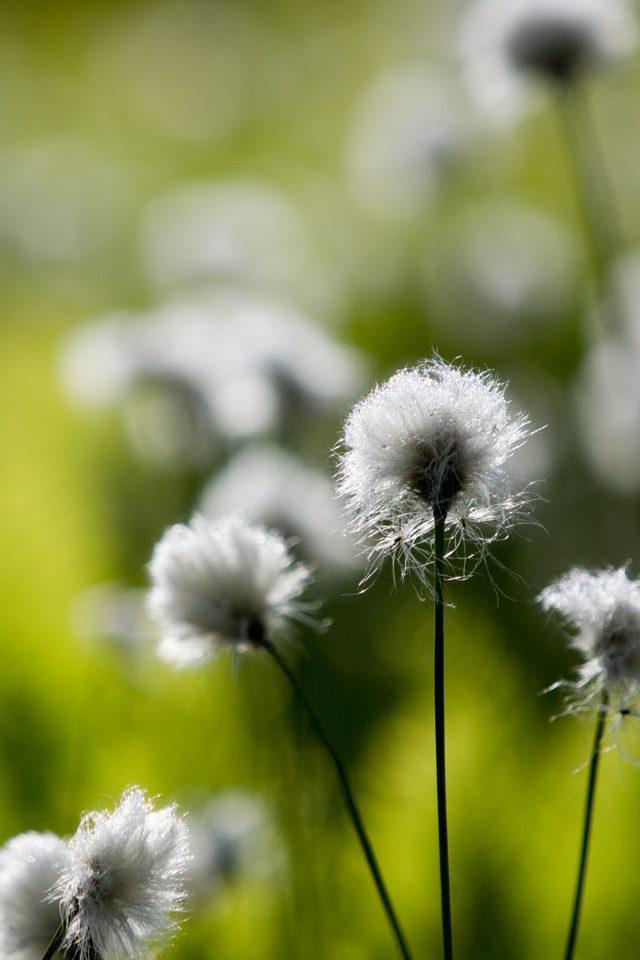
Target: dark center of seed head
256,633
550,46
440,472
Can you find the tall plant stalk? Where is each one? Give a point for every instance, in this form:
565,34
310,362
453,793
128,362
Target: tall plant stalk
586,833
438,686
56,940
349,799
593,192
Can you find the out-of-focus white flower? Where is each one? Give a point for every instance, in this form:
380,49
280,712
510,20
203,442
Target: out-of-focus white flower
237,232
433,441
500,272
232,836
123,880
30,864
608,385
609,410
227,582
604,610
275,488
502,41
220,365
407,129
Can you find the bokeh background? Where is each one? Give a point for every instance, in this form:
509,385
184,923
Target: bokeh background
220,224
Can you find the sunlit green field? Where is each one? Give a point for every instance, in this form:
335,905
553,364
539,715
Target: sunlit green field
188,151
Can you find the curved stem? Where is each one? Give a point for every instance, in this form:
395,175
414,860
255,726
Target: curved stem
55,943
582,868
352,808
438,686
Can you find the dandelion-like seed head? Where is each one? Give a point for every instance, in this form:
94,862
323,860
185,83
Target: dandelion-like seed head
30,865
432,442
123,879
604,610
551,42
228,582
505,43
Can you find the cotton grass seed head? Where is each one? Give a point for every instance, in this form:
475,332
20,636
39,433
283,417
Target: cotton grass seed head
604,611
123,879
431,442
506,44
30,865
222,583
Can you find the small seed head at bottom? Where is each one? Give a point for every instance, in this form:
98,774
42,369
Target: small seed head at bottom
123,880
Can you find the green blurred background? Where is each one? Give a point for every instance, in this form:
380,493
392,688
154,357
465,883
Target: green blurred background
474,246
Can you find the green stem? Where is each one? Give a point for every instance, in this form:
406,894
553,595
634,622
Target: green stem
438,684
582,869
592,189
348,797
55,943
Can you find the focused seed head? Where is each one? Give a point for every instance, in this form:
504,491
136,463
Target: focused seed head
432,442
123,880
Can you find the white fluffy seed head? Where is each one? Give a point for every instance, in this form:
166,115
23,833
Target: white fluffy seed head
30,865
431,441
604,610
123,879
506,42
227,582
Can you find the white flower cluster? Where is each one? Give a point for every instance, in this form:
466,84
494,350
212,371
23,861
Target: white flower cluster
604,609
113,886
225,582
227,365
431,442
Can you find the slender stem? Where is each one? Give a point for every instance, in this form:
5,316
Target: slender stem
348,797
593,191
582,869
438,684
55,943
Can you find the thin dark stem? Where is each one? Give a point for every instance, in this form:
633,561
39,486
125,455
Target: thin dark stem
438,684
348,797
584,853
55,943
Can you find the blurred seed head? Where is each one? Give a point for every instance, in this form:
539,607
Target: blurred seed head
224,583
407,131
608,385
238,232
275,488
221,365
505,44
30,865
232,838
603,610
501,273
